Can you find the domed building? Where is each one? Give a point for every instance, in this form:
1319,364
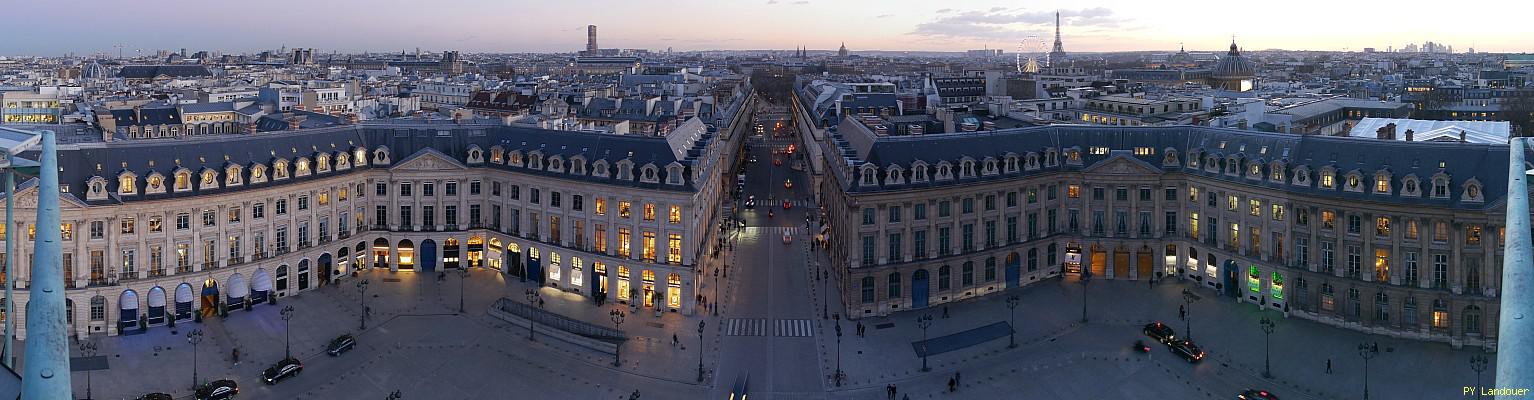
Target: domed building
94,70
1234,72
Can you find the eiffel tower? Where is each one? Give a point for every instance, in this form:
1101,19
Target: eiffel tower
1058,53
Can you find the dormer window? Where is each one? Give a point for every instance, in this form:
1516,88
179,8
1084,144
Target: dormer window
944,171
1302,176
322,163
1011,166
476,156
1051,158
535,160
1193,159
1278,173
1256,170
648,174
1327,180
209,180
599,169
127,184
280,169
556,164
303,167
1212,164
155,184
1169,158
1073,157
1381,183
919,173
870,176
893,175
514,159
380,156
674,175
1473,191
1409,187
96,189
361,156
1033,162
1440,187
990,167
1354,182
497,155
625,170
183,180
232,176
343,161
966,169
578,165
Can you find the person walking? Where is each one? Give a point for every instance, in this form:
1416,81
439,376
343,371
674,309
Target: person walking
674,340
1328,366
236,356
890,390
945,312
951,385
956,379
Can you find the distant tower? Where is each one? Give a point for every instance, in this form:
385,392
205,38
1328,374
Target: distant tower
591,38
842,51
1059,50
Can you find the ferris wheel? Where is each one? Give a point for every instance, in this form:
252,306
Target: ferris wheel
1031,54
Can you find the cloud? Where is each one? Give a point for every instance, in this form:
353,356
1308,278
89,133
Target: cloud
801,2
1003,23
945,10
885,15
770,2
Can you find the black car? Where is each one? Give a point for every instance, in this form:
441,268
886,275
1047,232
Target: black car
156,396
341,344
751,201
1187,350
1160,332
1254,394
218,390
282,369
753,159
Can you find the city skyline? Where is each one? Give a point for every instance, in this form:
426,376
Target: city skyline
690,25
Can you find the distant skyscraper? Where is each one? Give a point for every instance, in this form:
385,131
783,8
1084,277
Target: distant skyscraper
591,38
1058,53
842,51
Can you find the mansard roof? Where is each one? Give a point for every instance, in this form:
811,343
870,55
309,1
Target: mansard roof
1486,163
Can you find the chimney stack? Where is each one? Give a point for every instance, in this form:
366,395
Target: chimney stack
250,127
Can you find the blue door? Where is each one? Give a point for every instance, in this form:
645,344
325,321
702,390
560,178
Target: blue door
1014,270
428,261
534,269
919,289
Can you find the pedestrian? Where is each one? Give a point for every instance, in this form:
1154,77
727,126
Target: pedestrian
1151,283
945,311
1328,366
890,390
540,302
951,385
956,378
906,397
674,340
1182,311
236,356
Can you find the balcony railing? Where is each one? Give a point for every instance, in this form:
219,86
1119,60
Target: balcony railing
182,269
235,260
343,234
155,273
210,265
283,250
324,239
258,256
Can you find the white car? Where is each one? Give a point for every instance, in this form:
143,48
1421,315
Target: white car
787,239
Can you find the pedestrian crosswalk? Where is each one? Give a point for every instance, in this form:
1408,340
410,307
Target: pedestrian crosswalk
765,326
795,328
795,230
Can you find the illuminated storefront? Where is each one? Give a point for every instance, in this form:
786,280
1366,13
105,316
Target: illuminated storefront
623,283
674,291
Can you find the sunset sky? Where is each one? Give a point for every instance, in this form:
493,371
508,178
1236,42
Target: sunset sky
88,26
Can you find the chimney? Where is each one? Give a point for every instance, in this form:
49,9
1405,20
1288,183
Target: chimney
457,118
294,121
250,127
138,114
352,118
1410,135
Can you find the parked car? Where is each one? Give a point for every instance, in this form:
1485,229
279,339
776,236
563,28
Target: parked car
1187,350
282,369
1254,394
341,344
156,396
218,390
738,390
1160,332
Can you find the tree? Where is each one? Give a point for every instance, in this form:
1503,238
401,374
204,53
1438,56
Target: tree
1518,108
775,86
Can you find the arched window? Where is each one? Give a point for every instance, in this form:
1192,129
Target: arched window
183,180
280,169
127,184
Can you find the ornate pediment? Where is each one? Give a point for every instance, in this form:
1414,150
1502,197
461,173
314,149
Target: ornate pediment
428,160
27,199
1122,165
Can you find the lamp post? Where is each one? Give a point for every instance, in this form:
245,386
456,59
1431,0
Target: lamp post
532,301
287,340
88,349
1367,352
924,322
700,351
1267,326
194,337
395,395
1086,276
838,320
463,275
1478,364
616,315
1187,315
1012,302
362,286
715,305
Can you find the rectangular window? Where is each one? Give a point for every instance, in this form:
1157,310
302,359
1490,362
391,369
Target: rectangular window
969,205
577,202
450,188
1472,234
1033,195
474,188
1278,212
428,189
450,215
208,219
868,250
674,248
600,230
1256,209
990,234
404,217
303,203
1145,223
406,189
1381,265
1170,222
1232,202
623,209
128,226
381,189
894,214
1121,194
624,241
919,211
429,216
234,214
1328,257
919,243
1440,271
968,237
1192,194
495,188
1355,262
282,206
555,200
1171,194
1145,194
156,224
1073,191
895,254
944,209
1328,219
1411,269
534,195
1011,229
649,212
1355,224
990,202
1440,231
868,216
258,210
944,240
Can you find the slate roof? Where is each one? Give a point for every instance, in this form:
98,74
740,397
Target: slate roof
146,116
79,163
1486,163
174,71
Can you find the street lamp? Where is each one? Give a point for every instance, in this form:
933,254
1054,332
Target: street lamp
463,275
924,322
1012,302
395,395
1478,364
1086,276
532,300
362,286
715,305
194,337
88,349
287,340
1267,326
1187,314
838,320
616,315
1367,352
700,351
